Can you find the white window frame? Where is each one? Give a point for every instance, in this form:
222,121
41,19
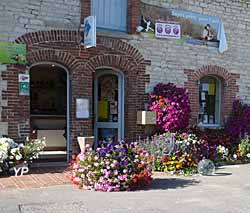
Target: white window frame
218,103
119,125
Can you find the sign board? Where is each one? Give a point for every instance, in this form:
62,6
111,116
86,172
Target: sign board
167,30
24,80
196,28
89,32
12,53
82,108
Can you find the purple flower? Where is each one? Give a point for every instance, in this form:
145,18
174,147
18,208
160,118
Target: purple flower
126,162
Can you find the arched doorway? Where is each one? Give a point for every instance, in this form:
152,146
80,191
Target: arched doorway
109,105
49,109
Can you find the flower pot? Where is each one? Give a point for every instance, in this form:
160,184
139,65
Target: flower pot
83,141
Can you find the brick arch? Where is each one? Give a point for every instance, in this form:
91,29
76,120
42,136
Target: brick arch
49,36
73,36
215,70
52,55
114,61
121,47
229,89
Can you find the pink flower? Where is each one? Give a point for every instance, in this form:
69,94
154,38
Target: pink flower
115,172
109,189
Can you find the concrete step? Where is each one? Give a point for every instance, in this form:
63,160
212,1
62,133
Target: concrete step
52,155
49,164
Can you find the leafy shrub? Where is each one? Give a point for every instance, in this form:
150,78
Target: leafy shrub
244,149
239,123
210,140
12,154
112,168
180,153
173,152
172,107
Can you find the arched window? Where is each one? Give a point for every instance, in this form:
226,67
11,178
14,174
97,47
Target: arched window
210,101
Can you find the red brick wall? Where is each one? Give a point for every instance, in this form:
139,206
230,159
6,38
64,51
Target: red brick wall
229,89
17,112
63,47
134,14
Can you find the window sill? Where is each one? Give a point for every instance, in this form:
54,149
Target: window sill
210,126
113,34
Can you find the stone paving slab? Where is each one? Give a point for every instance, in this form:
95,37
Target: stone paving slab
67,207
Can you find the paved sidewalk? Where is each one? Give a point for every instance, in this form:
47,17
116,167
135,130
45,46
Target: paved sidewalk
226,192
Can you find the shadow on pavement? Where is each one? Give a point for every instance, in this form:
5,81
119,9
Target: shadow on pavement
171,183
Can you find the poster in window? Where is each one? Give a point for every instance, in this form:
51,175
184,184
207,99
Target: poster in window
113,107
103,110
205,87
211,119
203,96
205,119
211,89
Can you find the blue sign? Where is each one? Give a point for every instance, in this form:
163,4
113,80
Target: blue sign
89,32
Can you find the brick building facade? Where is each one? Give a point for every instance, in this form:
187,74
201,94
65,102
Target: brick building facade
51,31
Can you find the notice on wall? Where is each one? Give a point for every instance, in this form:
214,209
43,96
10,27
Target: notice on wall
167,30
24,84
82,108
12,53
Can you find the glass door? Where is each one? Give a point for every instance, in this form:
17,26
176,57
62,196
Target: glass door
109,104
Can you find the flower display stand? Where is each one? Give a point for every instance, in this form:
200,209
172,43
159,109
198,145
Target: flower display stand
83,141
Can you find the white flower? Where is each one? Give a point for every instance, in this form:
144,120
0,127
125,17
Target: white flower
3,154
248,155
235,156
21,145
19,157
14,150
8,142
